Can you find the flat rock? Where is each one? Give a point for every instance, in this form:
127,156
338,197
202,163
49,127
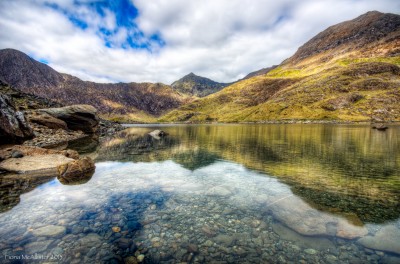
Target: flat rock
37,247
34,163
386,239
49,231
219,191
34,151
90,240
224,240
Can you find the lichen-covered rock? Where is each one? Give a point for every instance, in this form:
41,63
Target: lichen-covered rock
76,172
77,117
13,125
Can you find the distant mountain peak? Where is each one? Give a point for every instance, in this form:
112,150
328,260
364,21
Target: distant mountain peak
193,84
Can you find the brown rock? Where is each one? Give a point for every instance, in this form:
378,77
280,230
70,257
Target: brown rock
45,119
192,248
349,231
116,229
76,171
208,231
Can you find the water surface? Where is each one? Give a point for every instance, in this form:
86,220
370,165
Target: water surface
228,193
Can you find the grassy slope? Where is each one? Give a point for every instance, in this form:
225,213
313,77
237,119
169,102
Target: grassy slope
347,88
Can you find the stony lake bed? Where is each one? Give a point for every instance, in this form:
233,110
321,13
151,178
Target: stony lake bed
270,193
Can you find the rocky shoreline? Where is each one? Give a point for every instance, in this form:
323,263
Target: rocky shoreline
35,136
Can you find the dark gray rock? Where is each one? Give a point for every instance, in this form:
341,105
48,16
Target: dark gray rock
13,125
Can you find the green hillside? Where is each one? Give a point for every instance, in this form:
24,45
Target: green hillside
344,73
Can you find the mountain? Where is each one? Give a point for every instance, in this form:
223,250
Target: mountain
194,85
259,72
350,71
119,101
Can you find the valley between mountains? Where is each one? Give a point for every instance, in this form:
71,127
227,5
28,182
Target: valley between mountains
348,72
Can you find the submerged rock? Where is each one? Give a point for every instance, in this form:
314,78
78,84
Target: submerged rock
49,231
37,247
219,191
298,216
386,239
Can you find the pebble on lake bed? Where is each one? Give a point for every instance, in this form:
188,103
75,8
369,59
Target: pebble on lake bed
116,229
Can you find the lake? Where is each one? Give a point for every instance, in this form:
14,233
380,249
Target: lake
240,193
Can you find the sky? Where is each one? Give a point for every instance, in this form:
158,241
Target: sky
163,40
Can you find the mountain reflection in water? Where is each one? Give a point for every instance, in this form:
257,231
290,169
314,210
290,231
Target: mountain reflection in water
230,193
342,169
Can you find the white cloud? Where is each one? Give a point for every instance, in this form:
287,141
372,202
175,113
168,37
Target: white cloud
220,39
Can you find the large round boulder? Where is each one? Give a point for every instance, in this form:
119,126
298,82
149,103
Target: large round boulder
76,172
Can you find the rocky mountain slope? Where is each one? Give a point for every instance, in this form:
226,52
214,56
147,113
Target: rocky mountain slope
194,85
259,72
140,101
350,72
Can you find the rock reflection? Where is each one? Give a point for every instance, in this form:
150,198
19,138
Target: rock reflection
77,179
12,186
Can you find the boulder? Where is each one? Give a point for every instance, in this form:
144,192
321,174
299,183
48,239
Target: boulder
45,119
158,134
76,172
77,117
13,125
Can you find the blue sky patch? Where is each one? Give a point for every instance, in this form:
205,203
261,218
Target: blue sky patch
125,13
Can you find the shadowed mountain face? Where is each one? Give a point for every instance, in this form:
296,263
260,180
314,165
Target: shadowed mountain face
137,99
350,72
192,84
